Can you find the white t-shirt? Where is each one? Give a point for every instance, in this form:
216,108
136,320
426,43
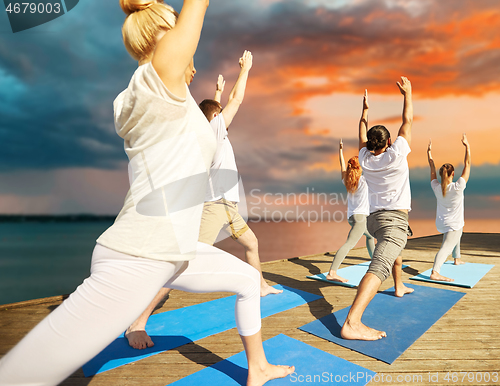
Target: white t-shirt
388,177
450,208
170,146
357,202
223,171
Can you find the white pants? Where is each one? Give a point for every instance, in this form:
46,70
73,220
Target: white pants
118,290
450,246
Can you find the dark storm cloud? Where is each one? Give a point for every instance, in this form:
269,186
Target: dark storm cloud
57,85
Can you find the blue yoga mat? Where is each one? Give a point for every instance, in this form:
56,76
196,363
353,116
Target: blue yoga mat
175,328
466,275
353,274
311,366
403,319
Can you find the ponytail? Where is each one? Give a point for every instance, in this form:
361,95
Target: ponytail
445,171
377,137
353,174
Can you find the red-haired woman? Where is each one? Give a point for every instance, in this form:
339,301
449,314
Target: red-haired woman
358,209
450,209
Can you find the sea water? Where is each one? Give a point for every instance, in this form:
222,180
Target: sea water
41,259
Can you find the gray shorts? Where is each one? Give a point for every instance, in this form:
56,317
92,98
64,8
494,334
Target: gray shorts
390,228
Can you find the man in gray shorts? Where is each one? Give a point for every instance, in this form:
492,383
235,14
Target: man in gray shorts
385,168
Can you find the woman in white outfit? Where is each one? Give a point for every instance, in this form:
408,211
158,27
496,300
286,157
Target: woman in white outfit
450,209
153,241
358,209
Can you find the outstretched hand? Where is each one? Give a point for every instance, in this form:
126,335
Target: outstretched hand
430,145
465,141
341,145
246,61
365,100
404,86
220,84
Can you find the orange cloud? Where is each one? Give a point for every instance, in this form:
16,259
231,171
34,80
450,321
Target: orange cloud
398,119
441,57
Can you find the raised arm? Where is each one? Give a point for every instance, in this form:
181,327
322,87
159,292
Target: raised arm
363,122
341,159
431,161
219,88
405,129
467,160
175,49
238,92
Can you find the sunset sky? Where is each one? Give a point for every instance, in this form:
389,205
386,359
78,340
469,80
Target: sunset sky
312,62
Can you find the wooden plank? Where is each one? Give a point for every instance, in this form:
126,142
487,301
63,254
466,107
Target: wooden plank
466,338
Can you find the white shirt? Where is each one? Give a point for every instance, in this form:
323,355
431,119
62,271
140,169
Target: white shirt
450,208
388,176
170,146
357,202
223,171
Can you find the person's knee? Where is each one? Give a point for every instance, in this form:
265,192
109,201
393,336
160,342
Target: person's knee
249,241
254,243
381,272
249,283
380,268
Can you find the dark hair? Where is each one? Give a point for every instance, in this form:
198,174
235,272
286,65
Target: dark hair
377,137
209,107
445,171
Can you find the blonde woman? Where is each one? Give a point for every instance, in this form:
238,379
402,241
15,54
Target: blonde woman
358,209
153,241
450,209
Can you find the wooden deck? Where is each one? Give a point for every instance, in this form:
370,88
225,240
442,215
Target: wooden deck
465,341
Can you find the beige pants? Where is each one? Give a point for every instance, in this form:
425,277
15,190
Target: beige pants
221,215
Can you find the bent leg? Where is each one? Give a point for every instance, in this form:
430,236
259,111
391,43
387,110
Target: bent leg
353,328
389,227
102,307
249,241
216,270
358,228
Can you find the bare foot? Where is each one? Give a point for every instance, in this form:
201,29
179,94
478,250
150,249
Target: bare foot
138,339
258,377
438,277
403,290
458,262
266,289
332,275
359,331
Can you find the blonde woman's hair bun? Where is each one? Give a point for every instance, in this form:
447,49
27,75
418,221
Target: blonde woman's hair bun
131,6
145,19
